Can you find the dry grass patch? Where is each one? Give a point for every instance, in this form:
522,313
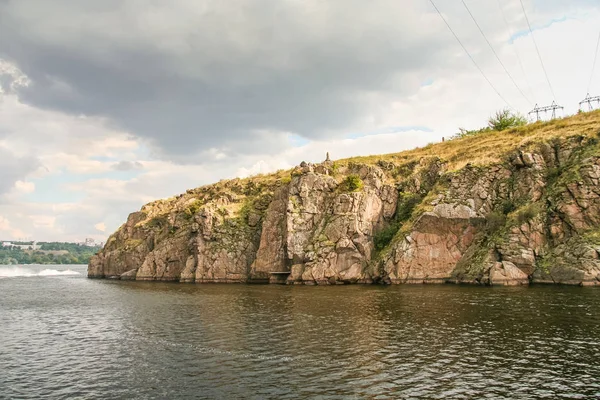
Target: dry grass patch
489,147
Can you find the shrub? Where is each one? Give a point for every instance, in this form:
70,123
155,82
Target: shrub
553,174
385,236
335,167
244,212
505,119
193,208
406,205
462,132
494,221
508,206
352,183
158,222
527,213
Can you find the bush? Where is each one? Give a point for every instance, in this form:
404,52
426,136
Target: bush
494,221
245,211
385,236
500,121
352,183
462,132
505,119
406,205
193,208
157,222
527,213
507,207
335,167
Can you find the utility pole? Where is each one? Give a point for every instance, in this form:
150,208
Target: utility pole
537,110
589,100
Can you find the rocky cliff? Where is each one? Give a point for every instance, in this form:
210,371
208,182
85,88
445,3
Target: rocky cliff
515,207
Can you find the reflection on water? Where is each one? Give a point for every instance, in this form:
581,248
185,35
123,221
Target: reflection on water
68,336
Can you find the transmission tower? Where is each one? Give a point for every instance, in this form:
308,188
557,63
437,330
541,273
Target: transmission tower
589,100
545,109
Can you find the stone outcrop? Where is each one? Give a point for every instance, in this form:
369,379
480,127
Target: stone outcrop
533,216
436,243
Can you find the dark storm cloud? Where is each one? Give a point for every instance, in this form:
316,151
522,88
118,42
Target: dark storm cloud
196,75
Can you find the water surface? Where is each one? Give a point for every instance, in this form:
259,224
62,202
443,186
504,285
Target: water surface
64,336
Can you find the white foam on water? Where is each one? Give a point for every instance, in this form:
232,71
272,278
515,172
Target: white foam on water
54,272
14,272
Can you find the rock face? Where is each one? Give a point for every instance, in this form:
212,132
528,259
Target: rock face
532,216
436,243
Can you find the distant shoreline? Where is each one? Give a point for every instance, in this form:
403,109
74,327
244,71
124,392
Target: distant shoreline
18,265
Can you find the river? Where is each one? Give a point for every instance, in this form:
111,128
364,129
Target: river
65,336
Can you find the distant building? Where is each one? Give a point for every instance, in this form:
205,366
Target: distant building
89,242
31,246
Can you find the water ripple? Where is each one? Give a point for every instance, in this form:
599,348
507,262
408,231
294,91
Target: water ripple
69,337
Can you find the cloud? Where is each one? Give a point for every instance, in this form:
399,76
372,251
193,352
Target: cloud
197,74
127,165
11,78
14,169
4,224
192,75
100,226
25,187
7,229
40,221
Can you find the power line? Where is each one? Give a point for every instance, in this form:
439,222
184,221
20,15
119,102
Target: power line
510,31
537,50
469,54
594,65
494,51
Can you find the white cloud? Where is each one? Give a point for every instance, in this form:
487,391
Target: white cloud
4,224
24,187
261,167
7,229
100,226
11,78
43,221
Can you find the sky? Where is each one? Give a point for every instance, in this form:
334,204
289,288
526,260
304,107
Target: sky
106,105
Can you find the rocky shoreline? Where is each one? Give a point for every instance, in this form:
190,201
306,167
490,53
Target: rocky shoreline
531,216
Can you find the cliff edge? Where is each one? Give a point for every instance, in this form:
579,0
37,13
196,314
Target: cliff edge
514,207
